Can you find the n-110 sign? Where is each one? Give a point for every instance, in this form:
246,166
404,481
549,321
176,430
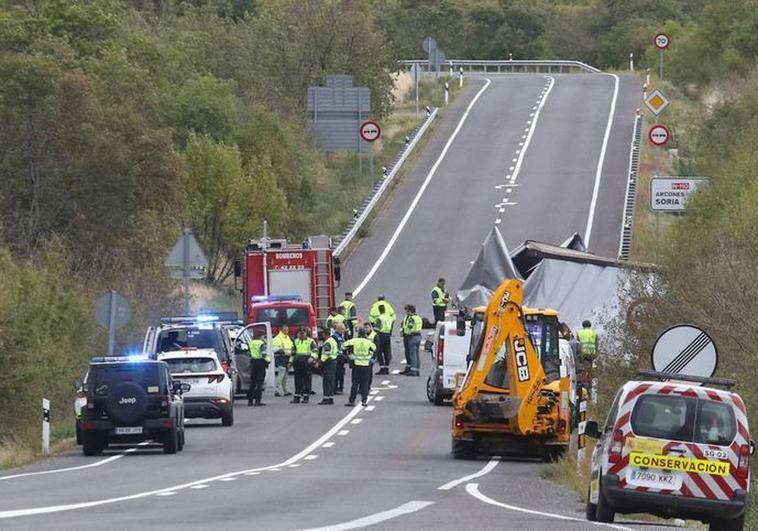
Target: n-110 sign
671,194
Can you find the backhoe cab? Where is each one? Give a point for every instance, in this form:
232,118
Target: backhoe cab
514,398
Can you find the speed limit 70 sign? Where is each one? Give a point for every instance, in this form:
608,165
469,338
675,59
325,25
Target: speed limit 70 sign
661,41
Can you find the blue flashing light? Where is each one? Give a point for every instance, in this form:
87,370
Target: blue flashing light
206,318
136,357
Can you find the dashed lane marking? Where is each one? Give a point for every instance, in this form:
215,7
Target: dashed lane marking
528,137
385,382
379,398
198,487
169,493
228,479
344,432
369,408
356,421
310,457
328,444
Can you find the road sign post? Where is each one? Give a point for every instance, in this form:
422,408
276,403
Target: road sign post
45,426
661,41
112,311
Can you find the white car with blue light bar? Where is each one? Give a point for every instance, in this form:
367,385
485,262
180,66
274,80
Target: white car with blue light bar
212,389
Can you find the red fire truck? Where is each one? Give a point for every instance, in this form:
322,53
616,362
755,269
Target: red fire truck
287,283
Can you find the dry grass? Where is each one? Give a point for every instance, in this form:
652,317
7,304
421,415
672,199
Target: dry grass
14,454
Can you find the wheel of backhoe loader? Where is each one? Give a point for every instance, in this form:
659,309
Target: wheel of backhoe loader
553,454
464,449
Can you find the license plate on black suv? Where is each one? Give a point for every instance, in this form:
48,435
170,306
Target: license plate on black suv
128,430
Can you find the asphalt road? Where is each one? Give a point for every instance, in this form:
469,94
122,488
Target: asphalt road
308,466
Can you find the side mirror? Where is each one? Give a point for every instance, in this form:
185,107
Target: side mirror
184,387
590,429
237,268
78,386
752,447
428,344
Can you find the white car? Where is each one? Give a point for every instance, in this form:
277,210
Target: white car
212,390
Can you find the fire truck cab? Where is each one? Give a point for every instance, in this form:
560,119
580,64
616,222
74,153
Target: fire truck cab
290,284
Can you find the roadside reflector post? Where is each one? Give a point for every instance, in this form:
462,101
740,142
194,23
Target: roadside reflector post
460,76
45,426
447,92
631,61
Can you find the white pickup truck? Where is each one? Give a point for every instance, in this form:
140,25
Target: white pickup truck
448,353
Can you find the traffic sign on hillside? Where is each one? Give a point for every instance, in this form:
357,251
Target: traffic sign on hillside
661,40
659,135
671,194
370,131
656,102
685,349
195,257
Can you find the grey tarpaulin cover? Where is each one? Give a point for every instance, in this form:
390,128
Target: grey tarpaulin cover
577,290
491,267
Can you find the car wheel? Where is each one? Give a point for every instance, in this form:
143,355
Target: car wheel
591,509
439,398
171,441
738,524
180,446
604,511
92,444
227,417
78,432
429,390
464,449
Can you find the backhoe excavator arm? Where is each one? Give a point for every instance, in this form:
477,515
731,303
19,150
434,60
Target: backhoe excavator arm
504,383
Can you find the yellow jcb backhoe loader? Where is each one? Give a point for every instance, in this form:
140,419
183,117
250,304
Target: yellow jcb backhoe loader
507,404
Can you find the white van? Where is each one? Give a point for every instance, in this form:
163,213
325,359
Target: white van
448,353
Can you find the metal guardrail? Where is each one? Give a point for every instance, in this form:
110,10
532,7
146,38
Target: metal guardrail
627,223
381,187
514,66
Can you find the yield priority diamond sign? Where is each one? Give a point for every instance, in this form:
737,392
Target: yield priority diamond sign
656,102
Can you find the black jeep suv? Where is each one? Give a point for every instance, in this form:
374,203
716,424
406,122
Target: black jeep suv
132,401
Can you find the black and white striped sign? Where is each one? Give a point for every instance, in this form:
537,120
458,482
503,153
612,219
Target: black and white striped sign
685,349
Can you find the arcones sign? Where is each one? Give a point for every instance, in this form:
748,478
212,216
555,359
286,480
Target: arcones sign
671,194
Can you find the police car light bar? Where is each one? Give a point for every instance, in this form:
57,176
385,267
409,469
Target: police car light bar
119,359
277,298
664,376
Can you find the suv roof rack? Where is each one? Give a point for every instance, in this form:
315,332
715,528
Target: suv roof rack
657,375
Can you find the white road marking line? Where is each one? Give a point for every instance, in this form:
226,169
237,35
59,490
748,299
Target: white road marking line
201,486
497,221
396,371
311,457
374,392
420,192
369,408
406,508
508,190
385,382
534,108
523,136
600,162
252,473
528,137
501,210
511,203
15,513
514,159
356,421
169,493
228,479
274,469
378,398
328,444
343,432
484,471
294,465
81,467
518,151
473,490
511,168
531,114
508,176
520,143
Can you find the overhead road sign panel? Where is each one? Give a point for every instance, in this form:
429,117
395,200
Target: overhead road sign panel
671,194
656,101
685,349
